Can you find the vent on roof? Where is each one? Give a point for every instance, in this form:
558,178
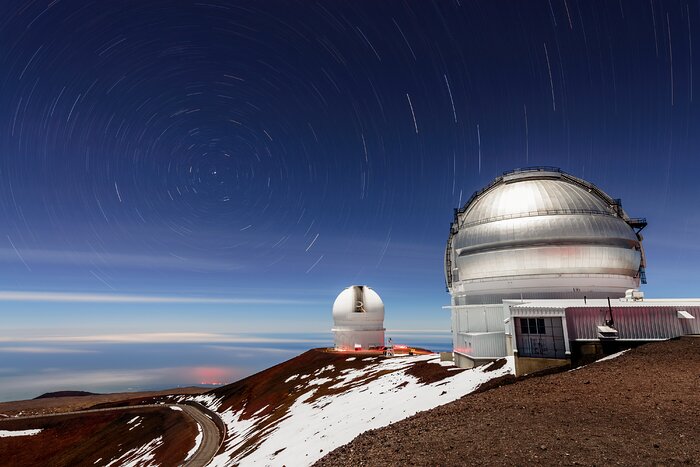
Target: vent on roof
634,295
607,333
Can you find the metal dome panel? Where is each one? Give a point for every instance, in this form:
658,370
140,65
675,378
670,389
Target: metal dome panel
543,229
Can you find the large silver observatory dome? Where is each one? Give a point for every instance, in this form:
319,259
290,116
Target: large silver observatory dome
542,233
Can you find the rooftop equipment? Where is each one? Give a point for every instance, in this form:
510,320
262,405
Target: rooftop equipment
607,330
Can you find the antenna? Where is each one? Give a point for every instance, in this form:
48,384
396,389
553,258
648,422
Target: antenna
609,322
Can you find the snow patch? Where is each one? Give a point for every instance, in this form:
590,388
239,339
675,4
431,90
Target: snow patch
208,400
444,363
176,408
319,381
374,396
351,359
260,411
324,369
11,434
197,443
133,420
142,456
611,356
291,378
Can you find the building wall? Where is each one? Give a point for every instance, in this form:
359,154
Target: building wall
464,361
346,340
478,330
691,326
478,318
551,286
632,323
482,345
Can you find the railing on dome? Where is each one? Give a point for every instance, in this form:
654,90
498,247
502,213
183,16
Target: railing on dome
448,264
637,223
454,226
615,204
536,168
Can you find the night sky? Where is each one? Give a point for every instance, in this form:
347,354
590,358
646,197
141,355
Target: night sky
170,166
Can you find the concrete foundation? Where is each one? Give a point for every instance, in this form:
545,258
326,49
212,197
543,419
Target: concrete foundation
527,365
463,361
446,357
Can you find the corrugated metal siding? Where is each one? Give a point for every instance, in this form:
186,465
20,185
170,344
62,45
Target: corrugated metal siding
487,345
691,326
455,327
494,318
632,323
479,318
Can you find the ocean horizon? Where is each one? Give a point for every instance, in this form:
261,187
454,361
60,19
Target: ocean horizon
131,363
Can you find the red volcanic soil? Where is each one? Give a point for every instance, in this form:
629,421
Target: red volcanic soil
81,440
48,405
274,388
273,391
642,408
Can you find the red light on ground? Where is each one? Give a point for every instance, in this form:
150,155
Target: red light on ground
400,347
211,376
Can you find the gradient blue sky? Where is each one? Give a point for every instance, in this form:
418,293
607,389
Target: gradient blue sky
229,167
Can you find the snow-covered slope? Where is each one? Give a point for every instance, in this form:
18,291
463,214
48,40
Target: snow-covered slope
295,413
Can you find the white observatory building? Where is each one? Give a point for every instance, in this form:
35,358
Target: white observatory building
544,266
358,319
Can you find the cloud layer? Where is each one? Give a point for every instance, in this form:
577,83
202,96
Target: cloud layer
79,297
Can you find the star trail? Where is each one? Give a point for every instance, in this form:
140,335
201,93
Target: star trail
248,160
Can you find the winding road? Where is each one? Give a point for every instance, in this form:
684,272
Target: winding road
211,436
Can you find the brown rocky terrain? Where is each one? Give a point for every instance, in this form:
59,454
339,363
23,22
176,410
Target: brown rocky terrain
642,408
96,438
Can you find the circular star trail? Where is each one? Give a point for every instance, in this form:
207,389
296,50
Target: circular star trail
176,145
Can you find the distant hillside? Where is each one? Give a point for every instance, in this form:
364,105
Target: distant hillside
295,412
291,414
49,395
138,436
641,408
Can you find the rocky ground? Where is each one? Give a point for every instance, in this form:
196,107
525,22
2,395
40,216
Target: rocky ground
642,408
161,434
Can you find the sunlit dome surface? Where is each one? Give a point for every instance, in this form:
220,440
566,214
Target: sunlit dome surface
542,233
358,319
358,307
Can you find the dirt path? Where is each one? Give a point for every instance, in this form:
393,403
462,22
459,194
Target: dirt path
211,439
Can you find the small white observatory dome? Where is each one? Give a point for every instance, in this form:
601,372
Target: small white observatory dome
358,319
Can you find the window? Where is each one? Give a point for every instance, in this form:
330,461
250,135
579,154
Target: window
540,337
532,326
